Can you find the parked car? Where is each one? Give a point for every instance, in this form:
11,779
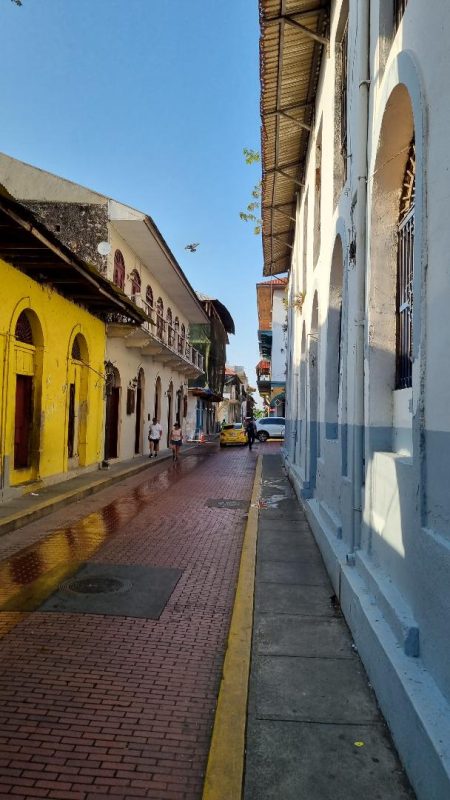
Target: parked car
270,427
233,434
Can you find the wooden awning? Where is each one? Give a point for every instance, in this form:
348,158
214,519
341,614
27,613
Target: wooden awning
28,245
294,35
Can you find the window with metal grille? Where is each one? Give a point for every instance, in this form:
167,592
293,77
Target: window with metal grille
149,296
399,10
344,97
119,269
23,331
405,273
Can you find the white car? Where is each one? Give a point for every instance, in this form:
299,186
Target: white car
270,427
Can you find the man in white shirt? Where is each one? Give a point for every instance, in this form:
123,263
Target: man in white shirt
154,435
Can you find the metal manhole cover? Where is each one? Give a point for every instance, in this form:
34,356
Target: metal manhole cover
224,502
97,584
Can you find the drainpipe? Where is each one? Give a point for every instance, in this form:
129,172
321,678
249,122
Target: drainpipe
363,9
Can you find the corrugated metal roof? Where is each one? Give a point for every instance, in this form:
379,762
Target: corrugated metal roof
293,36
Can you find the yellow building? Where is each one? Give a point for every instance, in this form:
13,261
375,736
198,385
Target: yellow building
52,354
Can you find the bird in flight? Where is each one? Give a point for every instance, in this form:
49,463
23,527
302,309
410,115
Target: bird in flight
192,247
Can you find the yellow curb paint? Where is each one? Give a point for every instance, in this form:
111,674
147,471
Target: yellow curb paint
224,773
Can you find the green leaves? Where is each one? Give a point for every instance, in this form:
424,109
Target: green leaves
253,157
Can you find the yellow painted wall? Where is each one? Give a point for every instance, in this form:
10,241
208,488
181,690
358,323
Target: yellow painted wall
56,323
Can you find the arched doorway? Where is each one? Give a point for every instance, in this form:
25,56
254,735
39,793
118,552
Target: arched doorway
169,411
303,437
119,270
392,268
334,330
313,387
179,408
28,351
160,318
112,417
139,412
77,410
157,406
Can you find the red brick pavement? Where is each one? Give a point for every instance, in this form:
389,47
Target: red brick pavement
95,706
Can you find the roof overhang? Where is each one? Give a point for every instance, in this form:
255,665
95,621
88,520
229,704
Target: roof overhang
28,245
293,38
140,232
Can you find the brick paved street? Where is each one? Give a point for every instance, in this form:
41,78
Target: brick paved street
94,706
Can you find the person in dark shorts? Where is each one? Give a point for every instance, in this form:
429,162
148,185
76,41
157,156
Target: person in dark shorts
250,429
176,439
154,435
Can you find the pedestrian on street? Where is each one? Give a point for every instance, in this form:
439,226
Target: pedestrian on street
176,440
154,435
250,429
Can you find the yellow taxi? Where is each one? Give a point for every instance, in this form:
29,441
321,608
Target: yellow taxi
233,434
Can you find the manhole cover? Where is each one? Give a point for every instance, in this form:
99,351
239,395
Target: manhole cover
224,502
98,584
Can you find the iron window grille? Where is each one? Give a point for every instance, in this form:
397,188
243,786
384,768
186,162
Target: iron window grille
405,275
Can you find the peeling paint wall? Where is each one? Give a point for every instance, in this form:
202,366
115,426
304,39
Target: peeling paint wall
57,321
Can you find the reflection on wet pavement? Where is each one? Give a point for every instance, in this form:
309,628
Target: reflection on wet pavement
29,576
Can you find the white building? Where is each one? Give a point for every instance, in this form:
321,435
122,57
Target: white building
147,369
272,337
356,109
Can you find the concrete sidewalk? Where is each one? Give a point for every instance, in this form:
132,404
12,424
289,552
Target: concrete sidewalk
314,731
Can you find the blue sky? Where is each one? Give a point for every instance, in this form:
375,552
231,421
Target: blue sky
150,102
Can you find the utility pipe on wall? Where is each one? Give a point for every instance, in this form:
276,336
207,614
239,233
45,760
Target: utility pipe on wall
363,9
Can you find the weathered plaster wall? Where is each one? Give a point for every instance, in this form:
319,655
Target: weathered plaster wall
395,532
79,226
59,321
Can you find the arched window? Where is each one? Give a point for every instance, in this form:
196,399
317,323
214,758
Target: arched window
405,272
159,317
135,282
119,269
23,331
176,324
183,331
170,335
149,296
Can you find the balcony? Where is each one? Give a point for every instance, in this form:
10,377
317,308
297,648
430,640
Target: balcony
157,338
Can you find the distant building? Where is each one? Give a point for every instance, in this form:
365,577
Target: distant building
206,391
272,333
53,317
238,402
148,368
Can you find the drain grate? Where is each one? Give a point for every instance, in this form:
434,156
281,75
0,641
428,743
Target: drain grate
97,584
224,502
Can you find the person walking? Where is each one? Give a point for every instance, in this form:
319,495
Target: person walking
154,435
250,429
176,440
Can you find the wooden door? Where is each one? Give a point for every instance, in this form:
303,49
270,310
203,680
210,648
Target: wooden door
23,421
137,435
112,423
71,425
